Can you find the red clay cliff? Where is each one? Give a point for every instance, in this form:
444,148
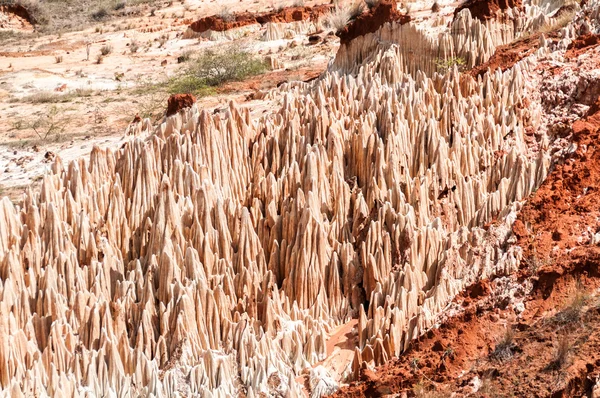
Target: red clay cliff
286,15
371,21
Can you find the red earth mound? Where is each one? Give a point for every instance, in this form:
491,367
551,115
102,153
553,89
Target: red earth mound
508,55
487,9
372,20
178,102
581,45
286,15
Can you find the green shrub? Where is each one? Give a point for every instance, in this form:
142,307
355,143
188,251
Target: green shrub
444,65
214,68
231,64
189,84
106,49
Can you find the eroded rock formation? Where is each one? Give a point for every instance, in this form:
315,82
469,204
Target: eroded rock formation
219,23
384,12
214,257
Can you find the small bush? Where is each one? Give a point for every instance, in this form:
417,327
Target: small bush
572,311
225,14
184,57
189,84
58,59
100,14
213,68
338,18
162,40
99,59
444,65
134,46
435,7
231,64
561,354
372,3
106,49
504,347
119,5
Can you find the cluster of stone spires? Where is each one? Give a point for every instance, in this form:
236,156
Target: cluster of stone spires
221,250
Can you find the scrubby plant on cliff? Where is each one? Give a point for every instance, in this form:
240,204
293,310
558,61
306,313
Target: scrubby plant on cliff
225,14
505,345
444,65
339,17
372,3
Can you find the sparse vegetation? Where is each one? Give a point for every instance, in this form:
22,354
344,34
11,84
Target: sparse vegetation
444,65
184,57
337,18
6,36
504,346
213,68
48,97
372,3
561,353
55,16
435,7
225,14
105,50
134,46
58,59
571,314
422,390
49,124
162,40
559,22
100,14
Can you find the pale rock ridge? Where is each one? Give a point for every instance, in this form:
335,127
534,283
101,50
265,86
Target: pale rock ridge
216,256
468,38
279,31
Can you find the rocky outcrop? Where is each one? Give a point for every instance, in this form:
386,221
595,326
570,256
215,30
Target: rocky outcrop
582,44
177,102
370,21
15,17
286,15
487,9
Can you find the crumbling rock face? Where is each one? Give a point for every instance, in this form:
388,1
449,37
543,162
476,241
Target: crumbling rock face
487,9
286,15
177,102
372,20
15,17
582,44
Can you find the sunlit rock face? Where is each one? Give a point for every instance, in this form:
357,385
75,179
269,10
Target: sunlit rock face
214,257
